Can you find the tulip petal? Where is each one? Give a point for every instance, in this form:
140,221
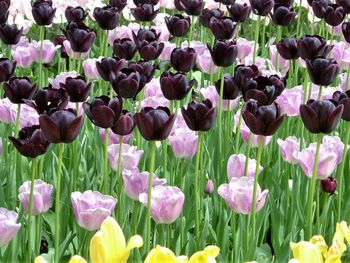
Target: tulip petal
50,129
77,259
310,118
74,129
334,119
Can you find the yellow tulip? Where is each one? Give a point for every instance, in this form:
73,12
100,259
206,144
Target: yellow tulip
40,259
109,246
162,254
343,227
208,255
306,252
320,243
77,259
335,252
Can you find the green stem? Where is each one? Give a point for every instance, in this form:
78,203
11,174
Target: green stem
248,153
165,158
256,38
320,93
238,131
105,181
57,201
42,34
191,32
279,35
168,234
347,79
220,114
38,235
196,193
299,19
149,197
12,180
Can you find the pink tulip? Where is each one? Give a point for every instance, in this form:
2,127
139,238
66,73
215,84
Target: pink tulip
344,86
290,149
23,42
28,117
112,137
179,123
236,166
183,143
212,94
166,203
41,196
136,182
8,226
167,4
130,156
71,53
154,102
90,70
245,48
334,144
198,46
341,53
283,64
206,64
290,100
168,48
61,78
209,187
164,33
153,89
259,62
238,195
48,52
245,131
22,56
7,114
91,208
327,92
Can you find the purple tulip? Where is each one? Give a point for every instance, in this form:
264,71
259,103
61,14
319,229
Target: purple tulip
209,187
90,69
236,166
183,143
48,51
290,149
8,226
131,156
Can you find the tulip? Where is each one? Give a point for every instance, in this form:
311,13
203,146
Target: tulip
283,15
77,88
223,53
90,69
150,49
124,48
345,4
334,144
136,182
47,52
166,204
7,68
242,73
207,14
175,86
239,192
310,47
74,14
236,166
222,28
19,89
107,17
125,124
306,252
239,12
61,125
168,48
41,196
58,40
343,98
209,187
80,39
120,4
10,34
74,259
144,12
8,226
346,31
192,7
112,137
107,66
91,208
183,59
290,149
146,71
230,89
261,7
320,116
43,12
31,142
61,79
322,71
178,25
290,100
104,111
334,14
126,83
329,185
288,48
130,156
184,143
22,57
319,8
109,245
4,12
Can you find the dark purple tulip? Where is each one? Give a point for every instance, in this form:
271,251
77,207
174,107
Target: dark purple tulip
192,7
124,48
142,2
125,124
263,89
43,12
120,4
104,111
199,116
74,14
80,38
225,2
239,12
109,65
230,89
10,34
7,68
244,73
77,88
223,53
207,14
329,185
262,119
319,7
285,3
48,99
150,50
262,7
4,12
178,25
343,98
155,124
19,89
310,47
107,17
346,31
175,86
31,142
145,34
58,41
146,70
126,83
321,116
222,28
334,14
283,15
288,48
345,4
183,59
144,12
322,71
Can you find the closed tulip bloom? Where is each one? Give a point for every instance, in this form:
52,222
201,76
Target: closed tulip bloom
243,73
77,88
4,12
19,89
126,83
80,38
106,66
346,31
166,203
107,17
262,120
91,208
74,14
144,12
310,47
150,50
207,14
175,86
104,111
43,12
10,34
262,7
288,48
222,28
41,196
178,25
230,89
192,7
239,12
238,195
345,4
124,48
334,14
184,143
236,166
321,116
319,7
61,125
290,149
8,226
31,142
322,71
146,70
183,59
136,182
155,124
125,124
199,116
343,98
120,4
209,187
223,53
283,15
131,156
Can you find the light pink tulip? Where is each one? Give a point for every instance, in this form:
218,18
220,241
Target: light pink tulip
8,226
245,48
206,64
61,78
152,89
130,156
238,195
236,166
164,33
90,70
22,56
260,62
168,48
290,100
283,64
71,53
183,143
28,117
167,4
341,53
155,101
212,94
327,92
344,86
23,42
166,203
198,46
7,111
334,144
179,123
136,182
48,52
112,137
290,149
41,196
91,208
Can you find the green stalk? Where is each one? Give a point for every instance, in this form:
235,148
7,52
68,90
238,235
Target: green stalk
168,234
38,234
119,178
165,158
347,79
248,153
105,166
42,34
238,131
320,93
196,193
263,39
256,38
57,201
279,35
221,74
299,19
191,32
149,197
312,187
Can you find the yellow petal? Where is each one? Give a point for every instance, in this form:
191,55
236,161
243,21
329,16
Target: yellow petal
320,243
345,230
293,260
40,259
306,252
208,255
134,242
162,254
335,252
77,259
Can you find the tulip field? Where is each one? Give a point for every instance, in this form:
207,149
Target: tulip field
174,131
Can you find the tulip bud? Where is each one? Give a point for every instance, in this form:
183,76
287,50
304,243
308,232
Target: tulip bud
144,12
345,4
10,34
209,187
222,28
107,66
262,7
175,86
124,48
107,17
125,124
8,226
178,25
322,71
192,7
239,12
310,47
223,53
146,70
4,12
283,15
346,31
183,59
19,89
126,83
74,14
77,89
243,73
43,12
80,38
329,185
319,8
288,48
120,4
